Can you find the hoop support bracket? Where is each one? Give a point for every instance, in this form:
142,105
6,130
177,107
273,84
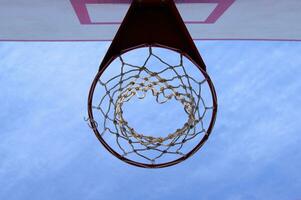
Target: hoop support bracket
153,23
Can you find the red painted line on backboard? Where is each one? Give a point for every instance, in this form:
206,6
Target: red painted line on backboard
197,39
82,12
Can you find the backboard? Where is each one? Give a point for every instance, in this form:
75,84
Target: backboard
98,20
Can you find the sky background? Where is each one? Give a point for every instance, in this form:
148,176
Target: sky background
47,151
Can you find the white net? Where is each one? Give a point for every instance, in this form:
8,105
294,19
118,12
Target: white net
166,78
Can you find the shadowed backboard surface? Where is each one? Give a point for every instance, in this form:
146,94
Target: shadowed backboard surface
97,20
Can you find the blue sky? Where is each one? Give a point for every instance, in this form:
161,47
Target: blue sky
47,151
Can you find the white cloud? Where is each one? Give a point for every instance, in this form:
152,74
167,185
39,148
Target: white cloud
48,152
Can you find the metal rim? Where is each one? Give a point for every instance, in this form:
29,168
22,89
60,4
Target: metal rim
140,164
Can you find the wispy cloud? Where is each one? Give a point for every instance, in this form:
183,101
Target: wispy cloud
48,152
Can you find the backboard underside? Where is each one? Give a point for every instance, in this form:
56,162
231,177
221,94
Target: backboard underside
98,20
